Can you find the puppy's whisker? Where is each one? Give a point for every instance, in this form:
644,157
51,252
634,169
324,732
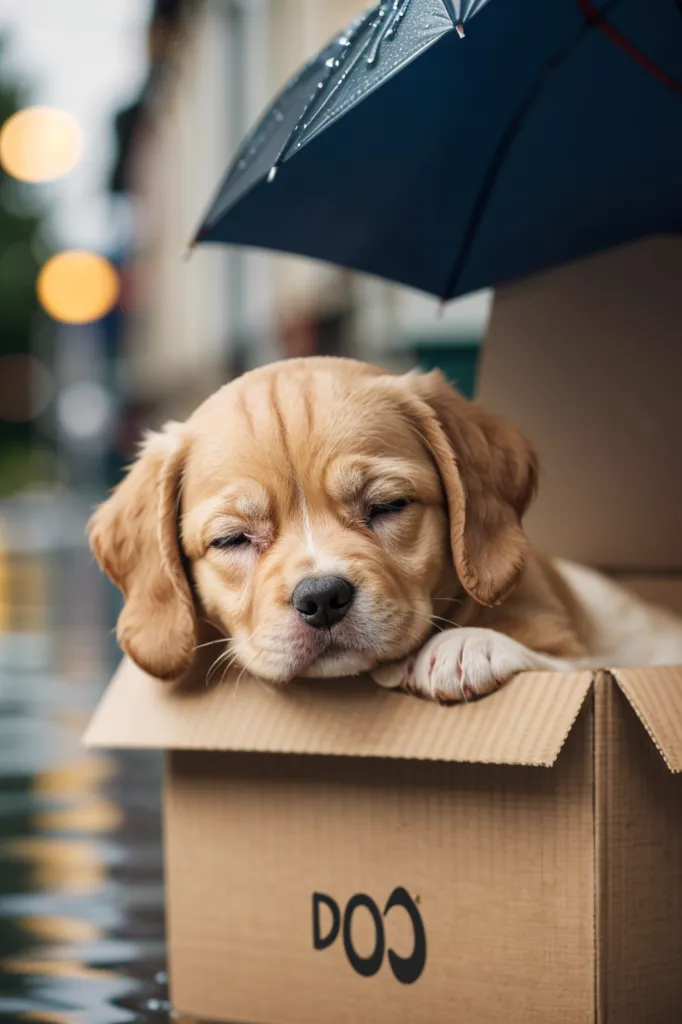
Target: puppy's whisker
216,661
413,633
227,668
210,643
249,639
417,637
208,622
231,658
235,651
232,649
245,669
448,622
230,662
216,664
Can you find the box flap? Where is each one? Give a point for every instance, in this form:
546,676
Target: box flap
586,359
526,722
656,697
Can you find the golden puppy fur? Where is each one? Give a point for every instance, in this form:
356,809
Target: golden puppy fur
331,468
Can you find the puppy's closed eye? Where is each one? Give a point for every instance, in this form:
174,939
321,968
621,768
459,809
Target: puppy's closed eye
240,546
231,540
385,509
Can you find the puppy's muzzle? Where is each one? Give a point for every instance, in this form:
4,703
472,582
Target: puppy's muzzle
322,601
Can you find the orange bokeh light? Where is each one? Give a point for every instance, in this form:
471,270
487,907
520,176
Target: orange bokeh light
78,287
40,144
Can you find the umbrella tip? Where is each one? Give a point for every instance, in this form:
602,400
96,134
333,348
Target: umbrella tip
460,31
272,173
187,251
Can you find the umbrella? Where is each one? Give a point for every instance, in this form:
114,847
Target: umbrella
455,144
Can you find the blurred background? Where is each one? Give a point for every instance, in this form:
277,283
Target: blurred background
117,121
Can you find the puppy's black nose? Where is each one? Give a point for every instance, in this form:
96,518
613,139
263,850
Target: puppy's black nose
323,600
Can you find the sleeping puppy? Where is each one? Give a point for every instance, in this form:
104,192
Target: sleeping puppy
328,518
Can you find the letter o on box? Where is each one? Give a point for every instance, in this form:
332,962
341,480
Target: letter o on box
406,969
366,966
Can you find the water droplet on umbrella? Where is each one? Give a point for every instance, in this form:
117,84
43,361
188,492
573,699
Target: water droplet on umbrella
316,103
272,173
387,28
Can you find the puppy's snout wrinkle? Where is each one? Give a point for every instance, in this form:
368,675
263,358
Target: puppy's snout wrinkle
322,601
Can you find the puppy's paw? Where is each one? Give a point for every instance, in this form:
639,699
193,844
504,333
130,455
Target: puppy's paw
463,664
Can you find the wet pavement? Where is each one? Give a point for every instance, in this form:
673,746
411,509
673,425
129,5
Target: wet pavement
81,886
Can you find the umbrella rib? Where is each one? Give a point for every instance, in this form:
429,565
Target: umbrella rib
380,30
502,150
596,18
313,107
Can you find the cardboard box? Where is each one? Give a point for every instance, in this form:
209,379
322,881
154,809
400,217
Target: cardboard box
340,853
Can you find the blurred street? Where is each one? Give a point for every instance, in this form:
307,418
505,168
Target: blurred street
81,897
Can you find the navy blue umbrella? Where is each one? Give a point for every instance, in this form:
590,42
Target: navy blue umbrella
455,144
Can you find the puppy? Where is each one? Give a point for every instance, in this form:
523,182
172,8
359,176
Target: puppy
328,518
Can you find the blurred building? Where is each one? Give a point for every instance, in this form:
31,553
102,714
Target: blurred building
192,324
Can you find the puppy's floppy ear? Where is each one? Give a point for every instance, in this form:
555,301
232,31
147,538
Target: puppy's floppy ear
134,537
489,473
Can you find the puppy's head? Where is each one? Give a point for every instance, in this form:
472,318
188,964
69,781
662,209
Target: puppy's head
316,512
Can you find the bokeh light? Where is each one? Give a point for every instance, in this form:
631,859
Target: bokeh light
85,411
40,144
78,287
26,387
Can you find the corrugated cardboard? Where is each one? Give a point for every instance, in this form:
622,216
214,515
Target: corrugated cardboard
638,816
587,361
526,724
499,864
527,879
341,854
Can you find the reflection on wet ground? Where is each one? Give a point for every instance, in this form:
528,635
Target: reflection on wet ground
81,888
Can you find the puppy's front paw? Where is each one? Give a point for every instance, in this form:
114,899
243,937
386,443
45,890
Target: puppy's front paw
462,664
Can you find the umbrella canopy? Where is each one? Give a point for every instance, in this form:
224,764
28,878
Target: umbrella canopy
455,144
